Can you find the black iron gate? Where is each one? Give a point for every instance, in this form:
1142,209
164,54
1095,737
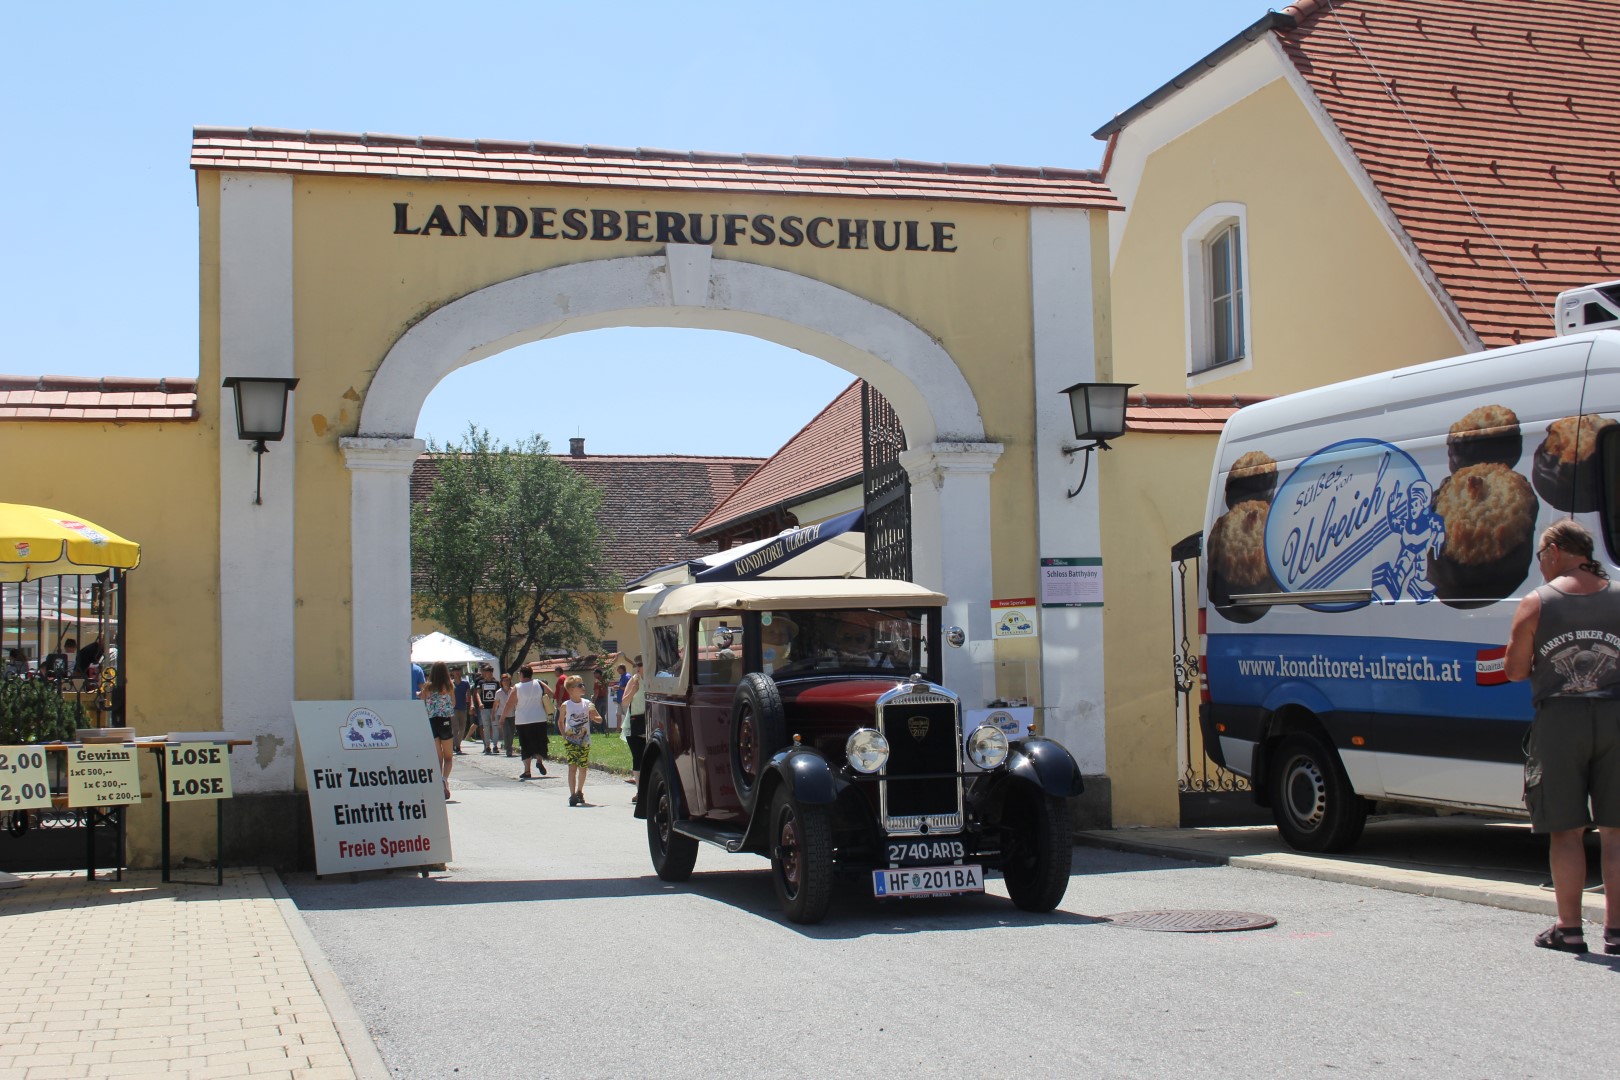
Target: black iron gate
1209,793
886,488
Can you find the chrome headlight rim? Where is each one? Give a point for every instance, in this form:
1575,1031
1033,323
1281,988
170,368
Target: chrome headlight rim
866,750
988,747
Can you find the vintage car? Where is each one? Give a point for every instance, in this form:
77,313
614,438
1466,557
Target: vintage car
804,720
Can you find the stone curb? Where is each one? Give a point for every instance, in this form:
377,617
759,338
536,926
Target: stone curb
1509,896
364,1056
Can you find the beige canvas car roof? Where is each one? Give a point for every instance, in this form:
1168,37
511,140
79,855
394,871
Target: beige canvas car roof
779,595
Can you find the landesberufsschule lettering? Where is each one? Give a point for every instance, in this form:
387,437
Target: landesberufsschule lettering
670,227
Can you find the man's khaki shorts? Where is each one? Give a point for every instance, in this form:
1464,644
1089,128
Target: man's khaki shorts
1572,764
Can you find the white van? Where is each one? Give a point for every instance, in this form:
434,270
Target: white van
1364,547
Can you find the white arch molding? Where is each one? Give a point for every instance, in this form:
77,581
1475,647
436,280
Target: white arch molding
950,460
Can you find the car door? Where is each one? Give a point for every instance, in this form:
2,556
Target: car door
718,650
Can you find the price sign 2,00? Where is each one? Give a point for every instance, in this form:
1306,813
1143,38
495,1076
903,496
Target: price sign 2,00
24,784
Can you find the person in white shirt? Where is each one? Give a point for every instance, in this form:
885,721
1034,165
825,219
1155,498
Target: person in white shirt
528,704
501,716
575,717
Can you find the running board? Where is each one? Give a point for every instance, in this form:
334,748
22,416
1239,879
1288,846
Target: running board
730,839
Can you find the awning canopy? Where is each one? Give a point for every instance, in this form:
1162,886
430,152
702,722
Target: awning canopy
439,647
37,542
835,548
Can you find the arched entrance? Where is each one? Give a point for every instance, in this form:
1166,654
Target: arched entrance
949,465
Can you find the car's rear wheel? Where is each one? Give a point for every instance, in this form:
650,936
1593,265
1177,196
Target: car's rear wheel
758,730
673,855
1315,806
801,857
1037,870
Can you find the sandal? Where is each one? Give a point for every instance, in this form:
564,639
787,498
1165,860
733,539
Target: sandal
1562,940
1611,940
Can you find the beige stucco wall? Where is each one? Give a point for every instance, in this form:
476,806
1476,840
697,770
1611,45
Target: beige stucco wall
155,484
1331,297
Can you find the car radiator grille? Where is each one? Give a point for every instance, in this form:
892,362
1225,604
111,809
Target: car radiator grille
925,738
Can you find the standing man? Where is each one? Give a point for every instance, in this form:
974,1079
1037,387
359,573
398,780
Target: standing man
1566,641
488,726
418,679
463,700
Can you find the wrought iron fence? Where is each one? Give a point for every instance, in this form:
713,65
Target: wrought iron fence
1199,775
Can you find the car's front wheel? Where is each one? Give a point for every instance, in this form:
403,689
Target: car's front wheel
1037,870
673,855
801,857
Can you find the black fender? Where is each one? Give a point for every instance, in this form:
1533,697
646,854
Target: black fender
1047,764
809,778
657,750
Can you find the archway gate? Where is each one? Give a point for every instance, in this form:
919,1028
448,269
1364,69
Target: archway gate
370,267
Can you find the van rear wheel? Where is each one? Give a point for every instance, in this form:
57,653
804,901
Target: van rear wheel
1311,798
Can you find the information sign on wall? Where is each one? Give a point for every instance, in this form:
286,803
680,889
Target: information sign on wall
100,775
1013,618
24,784
376,798
196,770
1071,582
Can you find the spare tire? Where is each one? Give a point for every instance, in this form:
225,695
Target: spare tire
758,730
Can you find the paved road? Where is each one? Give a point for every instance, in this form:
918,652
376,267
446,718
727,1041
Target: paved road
550,950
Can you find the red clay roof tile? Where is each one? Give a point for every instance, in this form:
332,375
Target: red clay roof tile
506,161
825,453
1489,129
121,398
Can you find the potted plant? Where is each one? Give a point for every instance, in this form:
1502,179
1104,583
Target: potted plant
34,711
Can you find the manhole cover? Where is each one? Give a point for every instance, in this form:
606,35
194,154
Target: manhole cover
1191,922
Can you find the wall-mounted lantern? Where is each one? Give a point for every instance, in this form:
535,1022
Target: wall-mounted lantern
261,416
1099,415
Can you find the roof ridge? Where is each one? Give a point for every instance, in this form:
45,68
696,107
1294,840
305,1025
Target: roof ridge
642,153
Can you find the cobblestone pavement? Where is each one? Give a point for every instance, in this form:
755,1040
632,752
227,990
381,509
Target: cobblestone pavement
138,978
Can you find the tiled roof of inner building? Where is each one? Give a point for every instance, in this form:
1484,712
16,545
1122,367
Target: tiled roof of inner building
648,501
1491,131
115,399
1183,414
826,453
1488,128
335,153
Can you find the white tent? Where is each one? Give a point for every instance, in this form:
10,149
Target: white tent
431,648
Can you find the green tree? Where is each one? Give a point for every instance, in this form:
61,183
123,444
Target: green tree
506,552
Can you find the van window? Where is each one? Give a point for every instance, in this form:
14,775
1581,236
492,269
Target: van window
669,653
719,651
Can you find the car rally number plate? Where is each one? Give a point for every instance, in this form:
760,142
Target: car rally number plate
923,852
927,881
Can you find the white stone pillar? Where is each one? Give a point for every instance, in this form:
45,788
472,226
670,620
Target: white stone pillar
380,562
1072,672
256,585
950,528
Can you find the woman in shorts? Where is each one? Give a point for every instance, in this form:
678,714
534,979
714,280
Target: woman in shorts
439,695
575,718
529,713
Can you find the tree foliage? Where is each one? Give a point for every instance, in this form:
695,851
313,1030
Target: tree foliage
505,550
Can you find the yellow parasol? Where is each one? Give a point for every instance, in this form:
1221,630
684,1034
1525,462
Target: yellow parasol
37,542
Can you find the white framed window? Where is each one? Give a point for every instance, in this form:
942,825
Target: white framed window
1215,273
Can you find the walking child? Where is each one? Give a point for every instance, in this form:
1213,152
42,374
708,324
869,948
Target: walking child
575,719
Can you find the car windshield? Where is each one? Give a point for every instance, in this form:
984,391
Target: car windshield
850,642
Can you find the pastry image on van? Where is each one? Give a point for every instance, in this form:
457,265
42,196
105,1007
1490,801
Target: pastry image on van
1237,560
1488,433
1253,476
1565,467
1490,515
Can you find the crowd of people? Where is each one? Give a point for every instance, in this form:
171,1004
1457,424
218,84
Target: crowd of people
517,717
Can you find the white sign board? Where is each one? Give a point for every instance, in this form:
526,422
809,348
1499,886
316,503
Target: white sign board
102,775
376,798
1014,618
1071,582
24,783
196,770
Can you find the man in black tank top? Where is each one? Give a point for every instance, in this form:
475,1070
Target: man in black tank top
1566,641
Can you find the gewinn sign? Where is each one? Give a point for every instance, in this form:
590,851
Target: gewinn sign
670,227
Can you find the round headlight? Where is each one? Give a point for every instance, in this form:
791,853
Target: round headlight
987,746
867,750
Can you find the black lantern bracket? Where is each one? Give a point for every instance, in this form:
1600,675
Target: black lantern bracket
261,417
1098,410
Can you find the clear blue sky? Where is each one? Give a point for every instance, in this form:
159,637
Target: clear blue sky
98,265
